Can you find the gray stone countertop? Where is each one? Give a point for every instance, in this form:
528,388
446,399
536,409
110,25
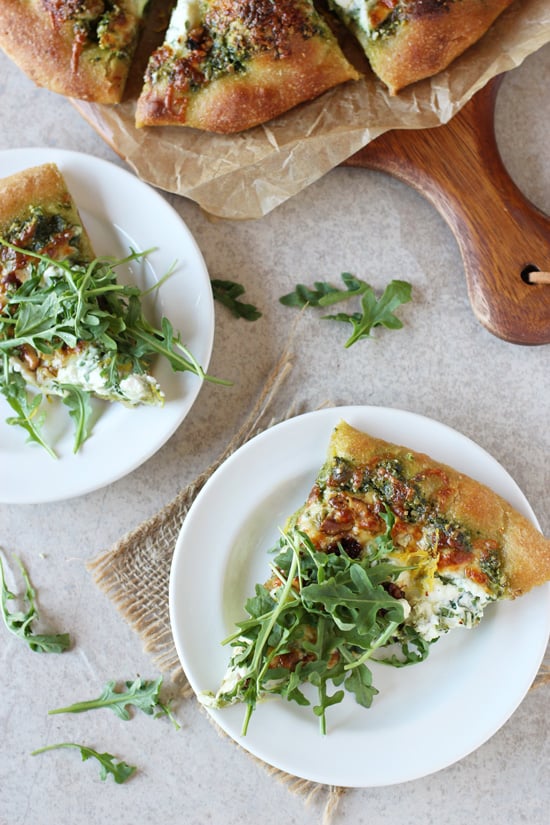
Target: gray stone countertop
443,364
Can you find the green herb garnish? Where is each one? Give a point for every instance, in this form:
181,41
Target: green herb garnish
323,293
20,622
119,770
228,294
374,311
140,693
67,305
322,625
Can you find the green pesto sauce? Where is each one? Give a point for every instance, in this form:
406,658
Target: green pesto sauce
231,49
38,227
101,32
418,509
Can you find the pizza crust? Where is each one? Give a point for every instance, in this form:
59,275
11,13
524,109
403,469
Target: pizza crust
525,551
432,35
45,187
45,53
269,87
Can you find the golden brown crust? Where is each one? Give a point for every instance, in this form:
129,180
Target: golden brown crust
432,35
40,186
291,66
45,48
525,551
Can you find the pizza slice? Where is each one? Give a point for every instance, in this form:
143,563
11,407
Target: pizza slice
68,328
79,48
390,551
228,65
408,40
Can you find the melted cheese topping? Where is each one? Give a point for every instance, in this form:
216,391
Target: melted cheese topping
88,369
441,593
185,16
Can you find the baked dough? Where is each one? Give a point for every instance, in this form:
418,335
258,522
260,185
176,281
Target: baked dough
524,552
40,189
229,65
409,40
78,48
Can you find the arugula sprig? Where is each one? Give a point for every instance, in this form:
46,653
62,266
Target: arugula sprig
374,311
141,694
20,622
324,293
65,304
29,412
108,764
335,611
228,293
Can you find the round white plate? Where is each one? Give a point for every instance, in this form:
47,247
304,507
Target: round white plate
426,716
119,211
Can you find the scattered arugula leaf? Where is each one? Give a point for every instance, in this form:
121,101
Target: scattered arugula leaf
323,293
63,303
20,623
119,770
228,294
374,311
140,693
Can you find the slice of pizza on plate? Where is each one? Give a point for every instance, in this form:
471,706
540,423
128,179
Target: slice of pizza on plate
391,551
78,48
409,40
65,323
228,65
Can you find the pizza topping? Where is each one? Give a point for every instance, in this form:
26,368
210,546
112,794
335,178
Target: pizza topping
109,25
86,330
319,620
205,41
372,18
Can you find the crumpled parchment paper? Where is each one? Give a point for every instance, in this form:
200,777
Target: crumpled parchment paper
245,176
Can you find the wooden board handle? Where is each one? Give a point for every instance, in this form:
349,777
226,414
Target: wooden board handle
501,235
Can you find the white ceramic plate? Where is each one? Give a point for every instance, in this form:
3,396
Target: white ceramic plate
426,716
119,211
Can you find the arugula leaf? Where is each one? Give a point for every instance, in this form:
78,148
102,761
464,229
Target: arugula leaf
109,764
20,623
329,616
78,402
29,415
354,603
228,294
140,693
413,648
375,312
323,293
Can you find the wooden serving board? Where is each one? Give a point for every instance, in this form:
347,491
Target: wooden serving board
501,235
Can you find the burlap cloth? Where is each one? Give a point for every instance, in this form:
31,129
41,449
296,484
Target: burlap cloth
135,574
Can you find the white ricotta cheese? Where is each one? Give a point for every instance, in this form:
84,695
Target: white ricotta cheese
356,10
185,17
140,389
457,603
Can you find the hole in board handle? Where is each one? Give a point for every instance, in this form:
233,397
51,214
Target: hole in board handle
532,275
